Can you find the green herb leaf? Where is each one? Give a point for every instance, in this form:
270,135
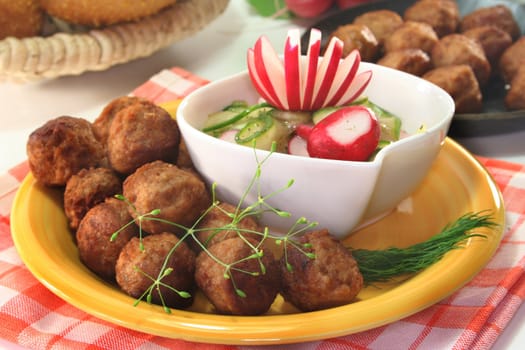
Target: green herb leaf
383,265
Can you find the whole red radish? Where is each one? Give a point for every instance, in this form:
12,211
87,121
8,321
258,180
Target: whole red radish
343,4
308,8
350,133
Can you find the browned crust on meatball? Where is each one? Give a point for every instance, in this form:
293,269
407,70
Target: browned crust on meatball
456,49
134,265
412,35
512,59
442,15
330,279
20,19
515,98
86,189
181,195
381,22
218,225
260,289
493,40
413,61
61,148
105,118
461,83
358,37
499,16
98,13
141,133
95,248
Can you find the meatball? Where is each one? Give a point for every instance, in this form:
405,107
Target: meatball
461,84
181,196
498,16
102,123
61,148
413,61
493,40
332,278
86,189
457,49
442,15
249,289
139,134
95,247
218,225
381,22
136,267
515,98
412,35
511,59
20,19
358,37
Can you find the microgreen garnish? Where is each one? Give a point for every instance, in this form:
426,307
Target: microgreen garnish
374,265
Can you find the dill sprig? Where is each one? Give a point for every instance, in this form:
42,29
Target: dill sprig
384,265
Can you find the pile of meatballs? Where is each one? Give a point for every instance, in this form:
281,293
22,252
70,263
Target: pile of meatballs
462,55
142,216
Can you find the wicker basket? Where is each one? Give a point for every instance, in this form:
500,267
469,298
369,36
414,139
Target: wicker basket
63,53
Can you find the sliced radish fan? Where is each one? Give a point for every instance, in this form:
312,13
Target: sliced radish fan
306,83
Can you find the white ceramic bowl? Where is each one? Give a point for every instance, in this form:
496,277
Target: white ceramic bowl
340,195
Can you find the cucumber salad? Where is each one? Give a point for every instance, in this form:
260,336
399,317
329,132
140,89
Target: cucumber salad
312,104
365,129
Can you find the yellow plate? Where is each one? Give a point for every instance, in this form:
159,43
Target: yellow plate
456,185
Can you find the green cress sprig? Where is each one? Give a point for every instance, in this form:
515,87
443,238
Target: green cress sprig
375,265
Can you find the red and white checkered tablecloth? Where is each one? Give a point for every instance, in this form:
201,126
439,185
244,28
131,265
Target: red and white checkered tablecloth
472,318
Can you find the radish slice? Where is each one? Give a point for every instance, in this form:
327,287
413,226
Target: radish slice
310,71
350,133
292,69
229,135
344,77
304,130
326,73
297,146
305,83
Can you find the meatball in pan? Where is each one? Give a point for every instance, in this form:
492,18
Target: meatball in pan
137,269
460,82
412,35
456,49
515,98
358,37
96,249
499,16
332,278
61,148
442,15
512,59
86,189
413,61
180,195
381,22
493,40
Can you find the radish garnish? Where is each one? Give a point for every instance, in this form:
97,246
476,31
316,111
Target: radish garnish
350,133
297,146
292,69
306,83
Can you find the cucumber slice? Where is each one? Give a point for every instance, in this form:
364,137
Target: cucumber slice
263,130
322,113
390,123
224,122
